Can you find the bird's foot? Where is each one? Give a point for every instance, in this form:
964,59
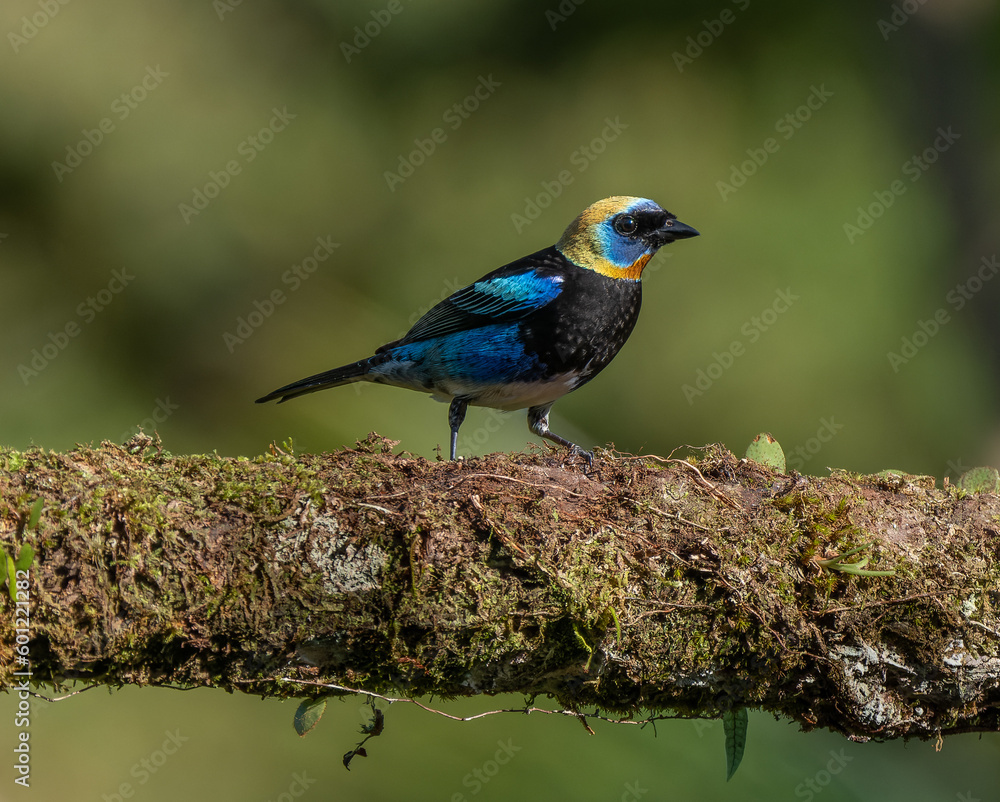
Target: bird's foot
577,451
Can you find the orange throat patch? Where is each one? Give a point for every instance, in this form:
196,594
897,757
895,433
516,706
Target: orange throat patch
632,272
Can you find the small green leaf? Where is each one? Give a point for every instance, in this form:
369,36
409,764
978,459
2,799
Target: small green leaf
11,585
618,624
36,513
308,714
581,640
980,480
767,451
3,567
836,563
858,569
734,722
25,558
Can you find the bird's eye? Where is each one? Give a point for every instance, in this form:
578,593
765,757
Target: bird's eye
626,225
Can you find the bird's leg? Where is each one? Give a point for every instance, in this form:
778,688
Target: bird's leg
456,414
538,422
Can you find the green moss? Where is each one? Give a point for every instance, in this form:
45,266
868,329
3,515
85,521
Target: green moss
13,461
634,580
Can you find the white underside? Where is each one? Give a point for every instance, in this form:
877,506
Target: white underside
508,397
514,396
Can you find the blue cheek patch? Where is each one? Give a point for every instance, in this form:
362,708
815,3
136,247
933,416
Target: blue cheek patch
619,250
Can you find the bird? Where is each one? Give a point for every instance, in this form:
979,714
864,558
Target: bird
527,333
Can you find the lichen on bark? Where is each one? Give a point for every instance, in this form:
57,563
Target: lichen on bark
643,584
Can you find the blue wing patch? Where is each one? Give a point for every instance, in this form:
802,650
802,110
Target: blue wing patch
510,295
498,299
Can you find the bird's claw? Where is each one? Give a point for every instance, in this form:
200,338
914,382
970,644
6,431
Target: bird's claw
576,451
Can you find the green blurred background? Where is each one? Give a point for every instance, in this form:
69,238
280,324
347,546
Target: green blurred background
122,307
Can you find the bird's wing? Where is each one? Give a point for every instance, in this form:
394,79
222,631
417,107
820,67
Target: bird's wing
503,296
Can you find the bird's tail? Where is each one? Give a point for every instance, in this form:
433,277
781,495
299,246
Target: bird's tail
331,378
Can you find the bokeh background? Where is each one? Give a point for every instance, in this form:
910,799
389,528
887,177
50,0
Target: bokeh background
169,170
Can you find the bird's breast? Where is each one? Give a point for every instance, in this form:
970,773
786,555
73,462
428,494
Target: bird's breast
588,325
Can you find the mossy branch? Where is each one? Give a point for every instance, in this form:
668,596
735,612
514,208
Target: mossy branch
644,584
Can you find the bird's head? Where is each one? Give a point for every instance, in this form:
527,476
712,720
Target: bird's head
617,236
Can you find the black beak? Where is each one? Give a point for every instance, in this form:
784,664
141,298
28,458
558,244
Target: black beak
673,230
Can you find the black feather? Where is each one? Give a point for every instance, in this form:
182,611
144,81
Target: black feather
330,378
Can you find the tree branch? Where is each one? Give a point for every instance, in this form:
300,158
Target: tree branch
668,586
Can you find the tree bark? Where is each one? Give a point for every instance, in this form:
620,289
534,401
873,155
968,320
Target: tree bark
642,584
